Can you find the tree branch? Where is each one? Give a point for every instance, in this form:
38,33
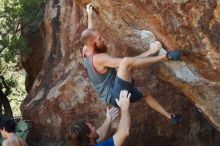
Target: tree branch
27,23
7,92
1,50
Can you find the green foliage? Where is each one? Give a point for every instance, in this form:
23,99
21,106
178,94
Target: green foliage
15,17
16,46
15,79
1,139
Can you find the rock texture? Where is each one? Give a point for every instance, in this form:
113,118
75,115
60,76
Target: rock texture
61,92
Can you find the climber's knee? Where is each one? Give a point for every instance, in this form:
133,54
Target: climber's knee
126,62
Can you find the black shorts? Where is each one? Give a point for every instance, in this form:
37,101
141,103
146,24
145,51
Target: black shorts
119,85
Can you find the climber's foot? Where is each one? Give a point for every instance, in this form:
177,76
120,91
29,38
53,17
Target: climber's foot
176,119
155,47
173,55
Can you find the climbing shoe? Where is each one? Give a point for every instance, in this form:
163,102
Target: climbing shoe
173,55
176,119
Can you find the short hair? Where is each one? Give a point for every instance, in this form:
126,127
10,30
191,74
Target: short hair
8,124
87,34
78,134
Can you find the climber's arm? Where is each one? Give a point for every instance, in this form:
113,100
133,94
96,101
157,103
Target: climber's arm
89,12
103,59
104,129
154,47
125,121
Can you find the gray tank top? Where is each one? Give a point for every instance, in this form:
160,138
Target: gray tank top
101,82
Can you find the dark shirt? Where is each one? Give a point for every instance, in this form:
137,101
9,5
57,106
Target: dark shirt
102,82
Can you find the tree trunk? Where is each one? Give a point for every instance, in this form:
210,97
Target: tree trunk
5,104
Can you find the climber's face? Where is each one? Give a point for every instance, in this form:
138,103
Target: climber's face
98,43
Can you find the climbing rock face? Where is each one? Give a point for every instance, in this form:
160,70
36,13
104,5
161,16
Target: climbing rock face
190,26
61,92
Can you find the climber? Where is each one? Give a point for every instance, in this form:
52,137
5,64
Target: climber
107,81
7,128
83,133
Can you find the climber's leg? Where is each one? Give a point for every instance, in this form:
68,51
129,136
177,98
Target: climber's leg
130,62
124,80
136,62
154,104
175,119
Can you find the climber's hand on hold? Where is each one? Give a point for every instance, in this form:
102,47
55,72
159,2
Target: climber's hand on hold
89,10
155,47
